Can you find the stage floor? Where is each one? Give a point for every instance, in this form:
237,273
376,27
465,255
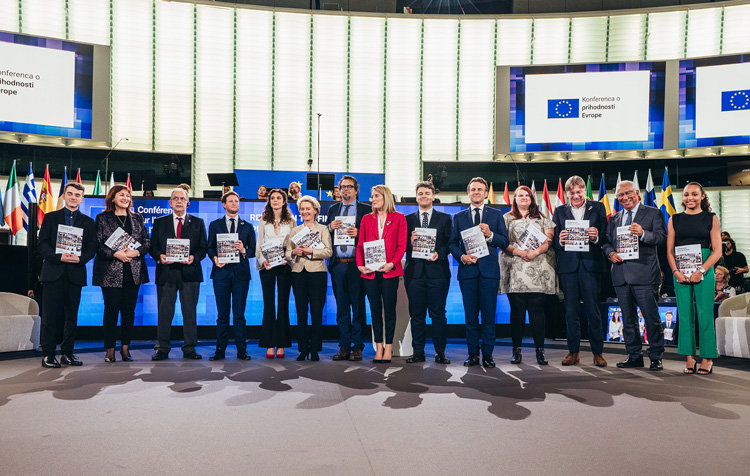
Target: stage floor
349,418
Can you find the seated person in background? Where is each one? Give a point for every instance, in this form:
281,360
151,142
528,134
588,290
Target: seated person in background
294,192
262,192
148,193
735,262
723,289
336,193
666,289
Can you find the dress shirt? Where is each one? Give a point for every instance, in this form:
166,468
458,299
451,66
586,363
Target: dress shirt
70,216
229,223
625,217
429,216
481,215
578,214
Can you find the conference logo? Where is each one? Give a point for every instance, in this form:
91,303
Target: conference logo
563,108
735,100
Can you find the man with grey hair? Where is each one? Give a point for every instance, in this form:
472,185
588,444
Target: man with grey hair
178,277
636,281
580,271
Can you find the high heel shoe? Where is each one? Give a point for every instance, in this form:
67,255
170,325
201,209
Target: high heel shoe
701,371
280,353
541,359
517,357
301,357
270,354
691,370
109,359
126,357
314,357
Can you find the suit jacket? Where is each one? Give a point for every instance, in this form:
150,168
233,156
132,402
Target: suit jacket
335,210
431,269
53,268
317,261
645,269
193,229
246,234
486,266
568,261
394,236
108,270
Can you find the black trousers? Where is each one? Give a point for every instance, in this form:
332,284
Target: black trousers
534,304
275,330
60,302
310,290
382,294
427,294
119,301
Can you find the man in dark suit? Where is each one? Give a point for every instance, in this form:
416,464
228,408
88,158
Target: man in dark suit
479,278
428,279
580,271
63,276
231,280
670,329
347,285
183,277
636,281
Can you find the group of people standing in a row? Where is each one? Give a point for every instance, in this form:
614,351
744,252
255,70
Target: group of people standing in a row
525,273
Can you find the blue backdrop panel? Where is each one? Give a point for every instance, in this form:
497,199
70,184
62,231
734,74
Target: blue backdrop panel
250,180
92,304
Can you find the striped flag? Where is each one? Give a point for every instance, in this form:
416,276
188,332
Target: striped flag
60,201
46,200
589,192
506,195
78,176
111,181
636,186
97,185
560,200
533,189
28,196
546,204
650,197
2,213
127,184
666,201
12,205
616,207
603,197
491,195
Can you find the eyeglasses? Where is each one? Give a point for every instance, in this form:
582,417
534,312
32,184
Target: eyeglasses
346,187
623,194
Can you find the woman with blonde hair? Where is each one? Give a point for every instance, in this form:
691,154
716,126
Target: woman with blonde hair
722,289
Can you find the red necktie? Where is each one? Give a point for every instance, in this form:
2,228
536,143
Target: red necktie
179,227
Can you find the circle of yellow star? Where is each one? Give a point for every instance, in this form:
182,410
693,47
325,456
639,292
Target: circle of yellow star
566,114
741,94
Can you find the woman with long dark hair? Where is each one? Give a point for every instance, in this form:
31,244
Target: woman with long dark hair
527,270
120,267
697,225
274,225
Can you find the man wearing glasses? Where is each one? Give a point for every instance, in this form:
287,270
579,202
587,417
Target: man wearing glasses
636,280
173,277
345,277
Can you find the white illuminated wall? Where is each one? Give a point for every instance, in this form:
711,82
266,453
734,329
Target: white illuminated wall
241,87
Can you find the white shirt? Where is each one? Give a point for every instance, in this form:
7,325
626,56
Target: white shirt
429,216
175,222
578,212
481,215
632,220
229,223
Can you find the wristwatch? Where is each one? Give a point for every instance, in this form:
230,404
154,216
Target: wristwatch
702,271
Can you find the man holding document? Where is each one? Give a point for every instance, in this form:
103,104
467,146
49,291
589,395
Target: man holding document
633,236
476,235
427,274
229,239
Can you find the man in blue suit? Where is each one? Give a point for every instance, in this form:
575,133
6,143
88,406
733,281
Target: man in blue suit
231,280
581,271
636,281
479,278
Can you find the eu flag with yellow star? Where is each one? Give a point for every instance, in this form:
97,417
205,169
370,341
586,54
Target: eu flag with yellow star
562,108
735,100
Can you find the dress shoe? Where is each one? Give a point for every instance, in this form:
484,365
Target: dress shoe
541,359
270,354
159,355
192,356
126,357
50,362
656,365
243,356
471,361
216,356
355,355
314,357
487,362
440,358
599,360
302,356
517,357
630,363
571,359
70,359
342,354
415,359
280,354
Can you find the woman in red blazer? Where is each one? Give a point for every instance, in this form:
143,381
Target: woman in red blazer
381,281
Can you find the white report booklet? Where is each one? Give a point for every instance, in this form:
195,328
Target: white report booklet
225,250
475,243
578,238
424,244
69,240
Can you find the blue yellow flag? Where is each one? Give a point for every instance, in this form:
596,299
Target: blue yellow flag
603,197
735,100
666,201
562,108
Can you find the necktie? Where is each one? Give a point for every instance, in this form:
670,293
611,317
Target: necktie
424,219
628,218
345,212
179,227
231,227
476,216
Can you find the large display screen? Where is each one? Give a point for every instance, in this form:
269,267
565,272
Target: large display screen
715,101
668,315
92,303
611,106
46,86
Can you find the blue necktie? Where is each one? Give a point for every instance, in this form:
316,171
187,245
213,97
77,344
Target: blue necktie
629,218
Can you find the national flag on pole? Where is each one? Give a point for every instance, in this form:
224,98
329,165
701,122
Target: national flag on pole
560,200
12,206
2,213
589,192
491,196
546,204
111,181
60,200
46,200
78,176
533,189
636,186
127,184
650,197
666,201
506,195
28,196
603,197
616,207
97,185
